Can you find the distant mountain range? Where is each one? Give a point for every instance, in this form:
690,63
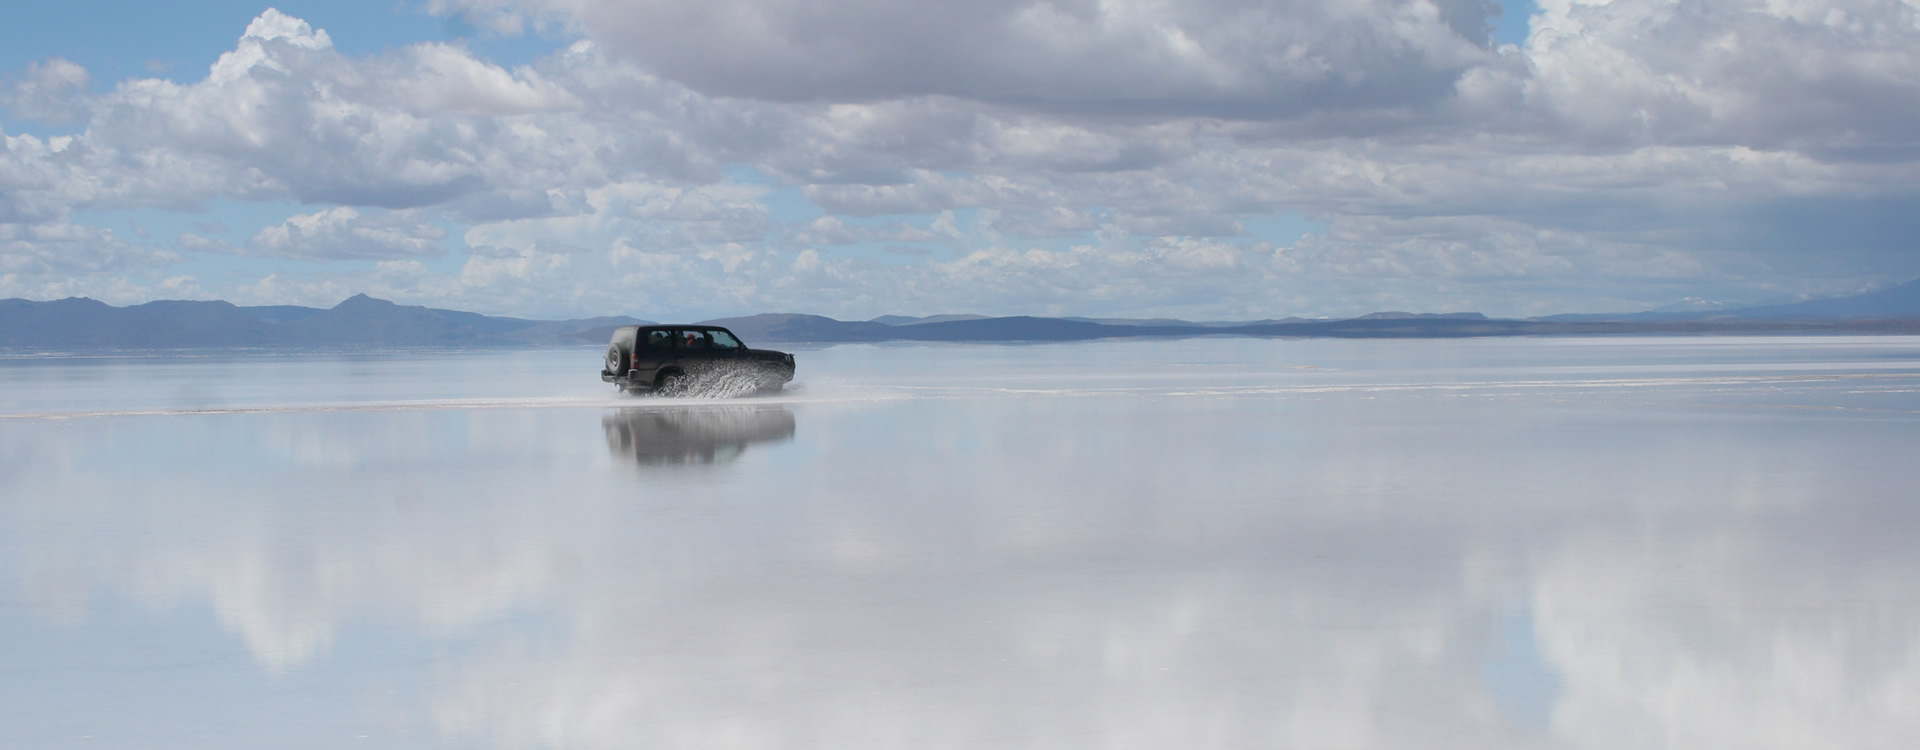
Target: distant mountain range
362,321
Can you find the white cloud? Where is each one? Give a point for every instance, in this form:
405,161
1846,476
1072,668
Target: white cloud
271,28
35,178
342,233
53,91
195,243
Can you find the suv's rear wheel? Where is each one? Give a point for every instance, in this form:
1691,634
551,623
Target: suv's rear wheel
671,383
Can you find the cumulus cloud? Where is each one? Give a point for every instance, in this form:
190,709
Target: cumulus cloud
36,178
284,115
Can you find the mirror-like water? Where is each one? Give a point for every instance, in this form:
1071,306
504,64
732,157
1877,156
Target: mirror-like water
1215,543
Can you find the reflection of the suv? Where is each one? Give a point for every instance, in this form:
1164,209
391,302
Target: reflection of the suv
668,358
706,435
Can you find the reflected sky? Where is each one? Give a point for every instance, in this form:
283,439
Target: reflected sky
1214,543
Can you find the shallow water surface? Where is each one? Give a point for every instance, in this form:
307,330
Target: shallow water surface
1210,543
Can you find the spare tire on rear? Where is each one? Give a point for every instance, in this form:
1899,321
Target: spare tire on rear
617,361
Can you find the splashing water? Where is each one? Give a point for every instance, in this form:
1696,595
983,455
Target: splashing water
722,380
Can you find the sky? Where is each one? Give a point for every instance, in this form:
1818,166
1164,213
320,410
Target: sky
1207,159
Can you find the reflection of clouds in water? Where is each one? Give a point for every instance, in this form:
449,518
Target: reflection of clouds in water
1732,640
1019,571
693,434
289,528
286,578
1358,620
1337,593
1150,659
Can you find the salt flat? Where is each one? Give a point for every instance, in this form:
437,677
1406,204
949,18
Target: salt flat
1206,543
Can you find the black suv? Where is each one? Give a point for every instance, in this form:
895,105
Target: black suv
670,360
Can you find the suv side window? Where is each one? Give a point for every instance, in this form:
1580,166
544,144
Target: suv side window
724,341
659,340
694,340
